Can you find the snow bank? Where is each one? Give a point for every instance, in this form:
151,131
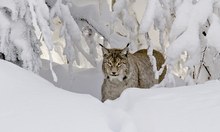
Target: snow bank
31,104
183,109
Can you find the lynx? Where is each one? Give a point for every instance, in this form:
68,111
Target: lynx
123,70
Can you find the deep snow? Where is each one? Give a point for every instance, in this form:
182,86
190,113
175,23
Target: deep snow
31,104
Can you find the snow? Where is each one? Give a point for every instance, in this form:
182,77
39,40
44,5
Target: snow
10,5
185,32
30,103
73,81
5,24
181,22
91,14
213,39
148,17
184,109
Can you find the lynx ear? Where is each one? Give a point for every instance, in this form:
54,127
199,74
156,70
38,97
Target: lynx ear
104,50
125,50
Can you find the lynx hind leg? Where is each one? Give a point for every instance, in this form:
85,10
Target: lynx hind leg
147,81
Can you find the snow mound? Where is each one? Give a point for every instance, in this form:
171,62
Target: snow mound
31,104
184,109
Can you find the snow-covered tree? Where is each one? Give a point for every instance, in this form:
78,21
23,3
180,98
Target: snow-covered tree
19,42
192,28
188,32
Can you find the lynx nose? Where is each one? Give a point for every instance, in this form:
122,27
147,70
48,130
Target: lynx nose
114,73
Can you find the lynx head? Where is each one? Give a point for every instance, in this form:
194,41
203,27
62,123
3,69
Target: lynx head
115,63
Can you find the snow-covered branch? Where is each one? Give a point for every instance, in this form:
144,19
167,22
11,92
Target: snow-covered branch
192,26
19,43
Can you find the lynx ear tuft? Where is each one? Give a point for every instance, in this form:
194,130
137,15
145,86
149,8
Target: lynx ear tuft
104,50
125,50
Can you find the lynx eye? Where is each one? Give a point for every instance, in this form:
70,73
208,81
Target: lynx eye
109,64
119,65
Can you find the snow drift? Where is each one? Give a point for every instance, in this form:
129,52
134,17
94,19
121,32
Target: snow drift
29,103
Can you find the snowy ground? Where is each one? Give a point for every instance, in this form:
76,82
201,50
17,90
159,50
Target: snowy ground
31,104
